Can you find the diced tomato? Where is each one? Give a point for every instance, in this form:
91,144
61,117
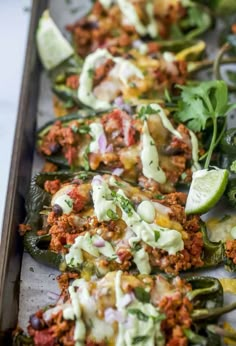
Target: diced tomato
43,338
52,186
120,121
79,200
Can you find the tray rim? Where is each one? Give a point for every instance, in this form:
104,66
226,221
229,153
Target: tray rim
11,248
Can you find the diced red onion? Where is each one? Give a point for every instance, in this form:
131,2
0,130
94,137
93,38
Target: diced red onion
112,315
119,101
102,142
118,171
97,180
162,209
109,148
99,243
126,300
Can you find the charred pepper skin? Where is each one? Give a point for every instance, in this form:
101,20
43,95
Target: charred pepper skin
227,157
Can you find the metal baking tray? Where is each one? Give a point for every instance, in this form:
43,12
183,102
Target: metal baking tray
20,175
23,282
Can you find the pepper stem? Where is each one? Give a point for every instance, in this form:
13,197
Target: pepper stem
201,314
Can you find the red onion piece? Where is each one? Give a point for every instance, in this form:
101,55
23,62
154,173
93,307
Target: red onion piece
102,142
119,101
109,148
112,315
118,171
126,300
97,180
99,243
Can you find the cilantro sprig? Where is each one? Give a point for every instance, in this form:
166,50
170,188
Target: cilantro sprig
201,104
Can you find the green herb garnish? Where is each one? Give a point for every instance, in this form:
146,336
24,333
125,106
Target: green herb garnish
156,235
145,111
140,315
200,104
142,295
138,339
83,129
112,215
69,203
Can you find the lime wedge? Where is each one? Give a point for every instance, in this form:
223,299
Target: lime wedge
206,189
52,46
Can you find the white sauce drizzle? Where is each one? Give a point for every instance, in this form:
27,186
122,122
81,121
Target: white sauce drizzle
150,157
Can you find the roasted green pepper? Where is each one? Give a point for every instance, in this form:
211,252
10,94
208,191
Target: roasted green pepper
228,161
114,140
38,245
194,299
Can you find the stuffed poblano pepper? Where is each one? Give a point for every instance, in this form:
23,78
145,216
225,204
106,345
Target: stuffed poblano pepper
147,148
149,26
124,309
228,161
94,223
104,77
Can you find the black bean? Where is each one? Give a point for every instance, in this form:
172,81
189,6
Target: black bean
36,322
57,209
54,148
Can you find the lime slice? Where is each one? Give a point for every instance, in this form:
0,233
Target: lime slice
206,189
52,46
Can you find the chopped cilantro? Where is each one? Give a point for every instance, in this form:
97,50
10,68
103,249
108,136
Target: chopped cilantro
140,315
202,103
83,176
145,111
67,246
142,295
112,215
151,162
125,204
160,197
138,339
86,159
69,203
84,129
159,318
156,235
91,73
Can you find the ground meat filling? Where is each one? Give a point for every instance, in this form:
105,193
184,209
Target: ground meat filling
123,147
55,330
230,250
107,29
65,228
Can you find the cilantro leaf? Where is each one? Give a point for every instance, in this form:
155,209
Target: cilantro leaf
142,295
202,103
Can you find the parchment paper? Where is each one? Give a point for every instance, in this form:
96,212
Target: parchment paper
38,281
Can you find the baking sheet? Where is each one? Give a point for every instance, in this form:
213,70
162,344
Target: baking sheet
38,281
